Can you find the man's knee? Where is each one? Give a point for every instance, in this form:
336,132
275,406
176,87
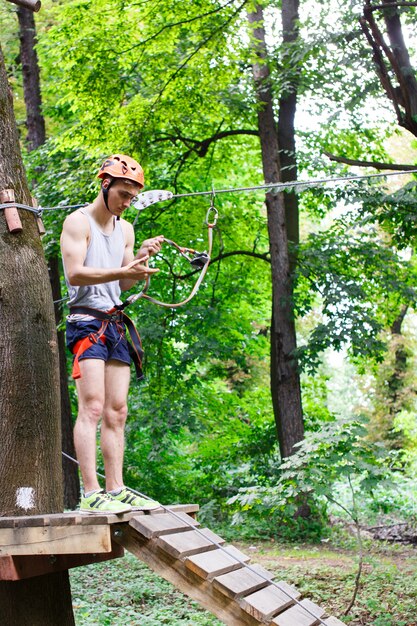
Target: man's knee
91,410
115,416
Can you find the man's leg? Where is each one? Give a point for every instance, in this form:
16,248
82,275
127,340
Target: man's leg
117,378
90,389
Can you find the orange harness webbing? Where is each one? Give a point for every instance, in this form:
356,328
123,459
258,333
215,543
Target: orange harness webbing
114,315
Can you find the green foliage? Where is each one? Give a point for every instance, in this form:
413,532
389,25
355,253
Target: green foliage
338,453
126,592
360,283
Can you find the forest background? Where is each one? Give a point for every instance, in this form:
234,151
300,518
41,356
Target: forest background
181,86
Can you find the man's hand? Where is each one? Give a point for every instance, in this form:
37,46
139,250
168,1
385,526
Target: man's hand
138,269
151,246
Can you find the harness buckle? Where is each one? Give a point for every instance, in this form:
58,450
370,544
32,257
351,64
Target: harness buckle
116,316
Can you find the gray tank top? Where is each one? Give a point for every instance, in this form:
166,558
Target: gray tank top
104,251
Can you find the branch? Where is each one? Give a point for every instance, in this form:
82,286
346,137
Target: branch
220,257
374,40
376,7
201,146
376,164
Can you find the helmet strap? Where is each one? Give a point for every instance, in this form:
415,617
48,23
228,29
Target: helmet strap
105,191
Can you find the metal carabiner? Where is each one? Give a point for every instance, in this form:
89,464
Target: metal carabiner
211,209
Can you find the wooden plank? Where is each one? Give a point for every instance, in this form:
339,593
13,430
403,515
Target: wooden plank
180,545
243,581
174,570
20,567
55,540
207,565
304,614
191,509
151,526
71,518
267,602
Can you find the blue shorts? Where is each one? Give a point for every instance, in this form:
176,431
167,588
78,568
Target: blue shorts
115,347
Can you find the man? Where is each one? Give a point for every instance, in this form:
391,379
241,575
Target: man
99,262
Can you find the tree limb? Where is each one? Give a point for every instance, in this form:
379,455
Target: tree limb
220,257
376,164
376,7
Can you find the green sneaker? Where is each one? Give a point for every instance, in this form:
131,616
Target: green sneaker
102,503
137,503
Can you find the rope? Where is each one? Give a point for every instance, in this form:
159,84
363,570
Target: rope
278,186
217,545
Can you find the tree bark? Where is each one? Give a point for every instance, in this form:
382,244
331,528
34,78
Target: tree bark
285,381
31,79
286,125
35,138
30,458
70,471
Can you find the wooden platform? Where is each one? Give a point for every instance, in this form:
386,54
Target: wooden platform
171,542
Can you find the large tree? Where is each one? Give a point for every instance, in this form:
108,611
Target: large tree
36,137
30,458
285,380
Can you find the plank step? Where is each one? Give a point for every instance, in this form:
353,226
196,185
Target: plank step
213,563
299,616
180,545
153,526
264,604
242,582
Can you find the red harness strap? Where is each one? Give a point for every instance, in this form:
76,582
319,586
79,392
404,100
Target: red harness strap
82,345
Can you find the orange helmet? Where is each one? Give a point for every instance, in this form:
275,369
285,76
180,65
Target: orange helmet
122,166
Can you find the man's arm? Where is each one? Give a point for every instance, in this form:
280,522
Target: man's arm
74,242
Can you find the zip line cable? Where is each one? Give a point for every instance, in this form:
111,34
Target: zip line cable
220,547
151,197
294,183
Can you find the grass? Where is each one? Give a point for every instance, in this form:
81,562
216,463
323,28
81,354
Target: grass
125,592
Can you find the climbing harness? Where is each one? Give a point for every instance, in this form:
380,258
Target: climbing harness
118,316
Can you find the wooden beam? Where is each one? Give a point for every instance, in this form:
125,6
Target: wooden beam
20,567
55,540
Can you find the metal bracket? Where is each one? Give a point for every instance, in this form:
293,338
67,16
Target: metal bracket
12,216
39,222
147,198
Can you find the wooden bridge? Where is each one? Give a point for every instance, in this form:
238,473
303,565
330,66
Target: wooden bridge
170,541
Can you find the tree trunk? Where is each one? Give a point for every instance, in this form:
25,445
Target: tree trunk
70,470
31,82
30,458
286,126
285,381
35,138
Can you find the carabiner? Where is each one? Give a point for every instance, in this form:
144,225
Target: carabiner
216,215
